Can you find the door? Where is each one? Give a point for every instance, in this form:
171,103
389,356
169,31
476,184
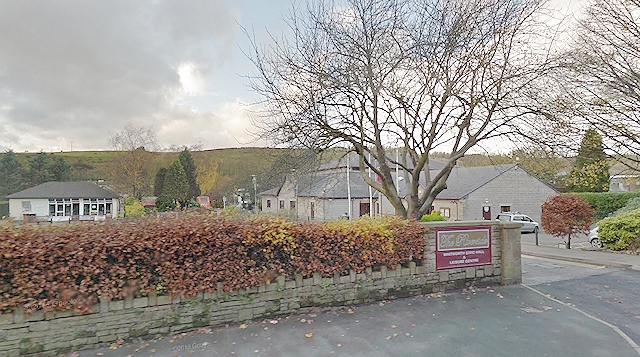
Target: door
365,208
486,213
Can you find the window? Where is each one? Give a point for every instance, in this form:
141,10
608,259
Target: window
292,204
505,208
26,206
268,203
281,204
445,212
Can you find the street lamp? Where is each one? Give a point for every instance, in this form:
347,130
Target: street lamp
255,192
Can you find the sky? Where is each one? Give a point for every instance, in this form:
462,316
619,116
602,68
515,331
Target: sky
73,72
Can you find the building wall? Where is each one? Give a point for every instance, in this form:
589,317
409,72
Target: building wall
39,207
455,207
515,188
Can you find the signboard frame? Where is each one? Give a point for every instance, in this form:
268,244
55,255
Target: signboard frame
462,247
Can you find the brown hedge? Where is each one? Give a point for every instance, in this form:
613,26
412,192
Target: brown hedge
64,267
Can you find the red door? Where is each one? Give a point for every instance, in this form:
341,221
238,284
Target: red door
486,213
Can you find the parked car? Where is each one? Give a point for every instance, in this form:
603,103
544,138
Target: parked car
593,238
528,224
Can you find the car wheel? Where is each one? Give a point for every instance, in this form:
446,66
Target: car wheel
595,242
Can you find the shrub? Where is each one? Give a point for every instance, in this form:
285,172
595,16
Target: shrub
566,216
621,232
606,203
133,208
187,254
632,204
434,216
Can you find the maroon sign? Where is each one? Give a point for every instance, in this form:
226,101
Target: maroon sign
459,247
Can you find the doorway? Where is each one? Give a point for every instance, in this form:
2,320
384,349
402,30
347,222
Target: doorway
486,213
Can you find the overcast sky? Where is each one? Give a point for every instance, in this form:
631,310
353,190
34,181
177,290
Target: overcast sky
74,72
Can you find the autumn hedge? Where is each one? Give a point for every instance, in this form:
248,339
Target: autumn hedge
186,255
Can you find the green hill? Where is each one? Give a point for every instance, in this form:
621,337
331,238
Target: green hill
234,166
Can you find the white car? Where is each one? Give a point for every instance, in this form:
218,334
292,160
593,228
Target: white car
528,224
593,238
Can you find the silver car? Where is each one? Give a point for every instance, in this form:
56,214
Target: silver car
528,224
593,238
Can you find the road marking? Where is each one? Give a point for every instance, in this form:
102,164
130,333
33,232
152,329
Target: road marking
615,328
583,265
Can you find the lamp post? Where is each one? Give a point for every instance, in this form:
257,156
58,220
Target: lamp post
255,192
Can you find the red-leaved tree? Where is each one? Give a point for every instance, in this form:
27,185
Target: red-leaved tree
566,216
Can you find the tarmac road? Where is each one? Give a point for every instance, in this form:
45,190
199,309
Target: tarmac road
605,293
537,318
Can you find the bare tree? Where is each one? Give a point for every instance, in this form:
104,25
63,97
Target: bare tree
382,76
134,169
600,76
132,137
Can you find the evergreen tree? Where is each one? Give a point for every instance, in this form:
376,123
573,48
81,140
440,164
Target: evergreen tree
11,174
186,160
175,187
591,170
60,170
158,185
39,166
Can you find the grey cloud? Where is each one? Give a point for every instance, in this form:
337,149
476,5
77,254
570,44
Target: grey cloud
88,67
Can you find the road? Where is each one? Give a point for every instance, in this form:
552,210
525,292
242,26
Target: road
608,294
549,240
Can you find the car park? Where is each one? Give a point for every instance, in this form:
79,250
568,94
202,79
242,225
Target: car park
528,224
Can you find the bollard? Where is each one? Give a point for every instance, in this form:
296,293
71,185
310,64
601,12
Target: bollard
536,237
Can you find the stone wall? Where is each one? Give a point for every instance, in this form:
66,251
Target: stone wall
48,334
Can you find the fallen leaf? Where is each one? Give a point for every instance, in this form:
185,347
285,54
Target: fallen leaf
530,309
471,328
303,320
393,326
256,351
273,322
308,335
242,326
388,337
339,345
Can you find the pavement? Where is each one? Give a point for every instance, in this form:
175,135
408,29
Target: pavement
515,320
592,256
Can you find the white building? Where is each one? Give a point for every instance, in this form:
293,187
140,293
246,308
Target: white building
64,201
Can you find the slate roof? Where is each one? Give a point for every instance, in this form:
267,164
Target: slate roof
461,182
65,190
333,185
464,180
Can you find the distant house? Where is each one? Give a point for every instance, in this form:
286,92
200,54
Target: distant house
64,201
624,183
472,193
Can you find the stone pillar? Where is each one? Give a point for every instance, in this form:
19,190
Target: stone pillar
511,260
